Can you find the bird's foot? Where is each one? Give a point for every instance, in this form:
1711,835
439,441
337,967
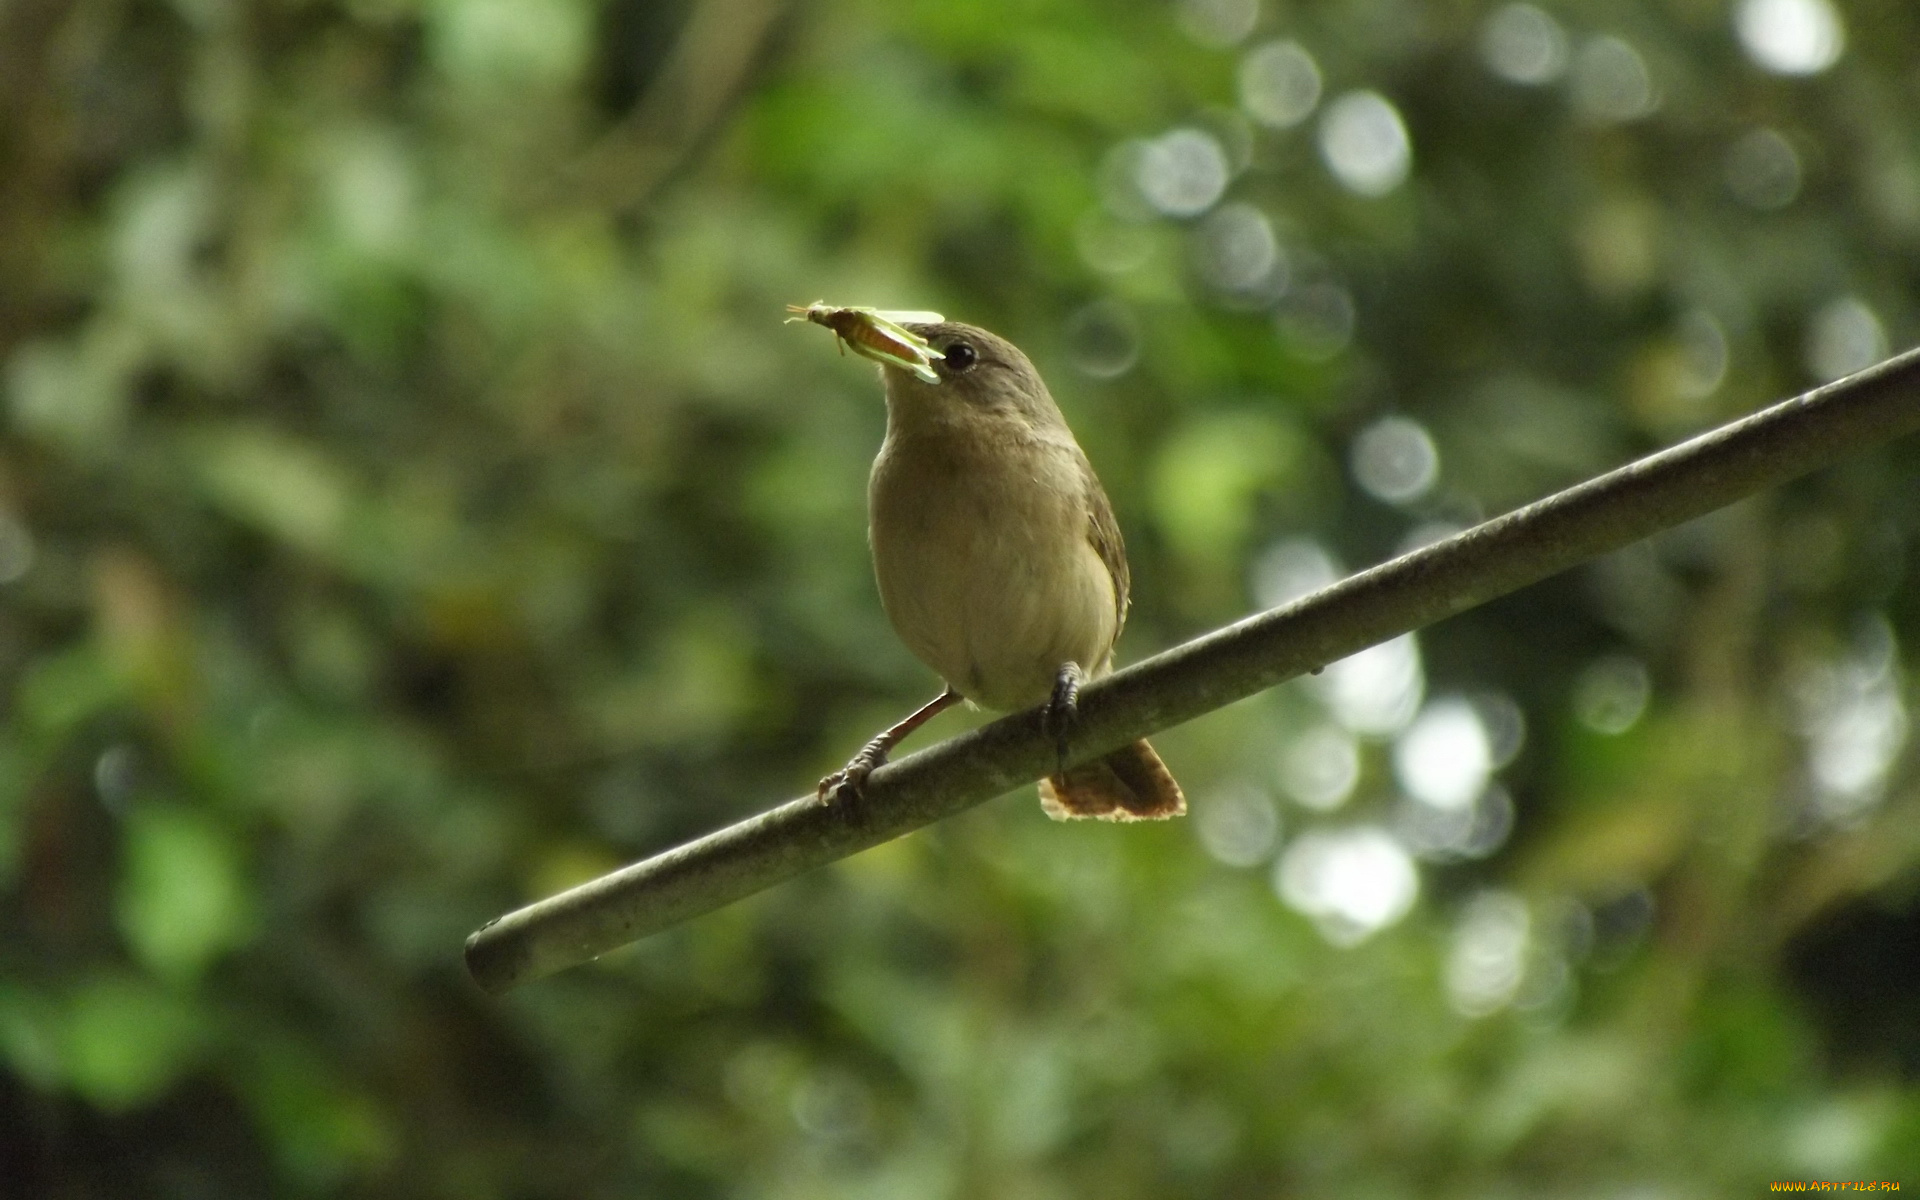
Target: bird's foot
1063,709
850,781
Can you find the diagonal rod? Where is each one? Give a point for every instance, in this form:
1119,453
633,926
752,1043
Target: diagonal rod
1818,429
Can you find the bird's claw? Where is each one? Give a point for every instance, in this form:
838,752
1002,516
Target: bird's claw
843,785
850,781
1063,709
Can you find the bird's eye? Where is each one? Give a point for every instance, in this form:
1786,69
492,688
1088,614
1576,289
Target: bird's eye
961,357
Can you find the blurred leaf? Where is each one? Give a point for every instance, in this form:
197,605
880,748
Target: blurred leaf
64,689
491,43
183,899
74,392
30,1036
287,489
323,1130
125,1041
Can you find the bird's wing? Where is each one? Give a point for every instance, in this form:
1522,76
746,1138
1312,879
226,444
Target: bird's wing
1104,533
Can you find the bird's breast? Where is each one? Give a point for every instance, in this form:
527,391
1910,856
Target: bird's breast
984,563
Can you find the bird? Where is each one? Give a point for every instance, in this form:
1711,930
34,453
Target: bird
996,552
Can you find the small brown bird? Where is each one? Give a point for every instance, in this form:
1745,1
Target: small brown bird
998,559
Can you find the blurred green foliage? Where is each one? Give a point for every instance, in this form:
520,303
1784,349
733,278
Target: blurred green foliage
411,503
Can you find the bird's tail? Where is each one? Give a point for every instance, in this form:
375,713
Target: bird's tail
1131,784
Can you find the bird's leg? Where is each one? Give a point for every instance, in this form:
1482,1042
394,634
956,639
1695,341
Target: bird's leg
1063,708
850,779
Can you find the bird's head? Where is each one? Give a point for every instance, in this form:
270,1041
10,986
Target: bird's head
979,373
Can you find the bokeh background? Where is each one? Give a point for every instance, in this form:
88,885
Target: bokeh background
411,503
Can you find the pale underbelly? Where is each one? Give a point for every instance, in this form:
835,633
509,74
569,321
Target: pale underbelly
992,606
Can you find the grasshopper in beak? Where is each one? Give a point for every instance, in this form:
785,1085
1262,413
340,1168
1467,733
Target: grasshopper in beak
880,336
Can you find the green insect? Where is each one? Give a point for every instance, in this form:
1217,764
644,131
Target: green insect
880,336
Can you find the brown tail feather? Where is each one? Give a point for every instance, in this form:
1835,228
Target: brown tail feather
1131,784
